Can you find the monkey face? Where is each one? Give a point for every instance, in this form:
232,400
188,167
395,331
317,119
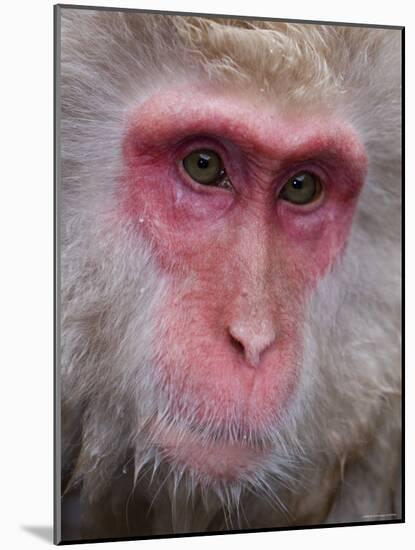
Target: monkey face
246,208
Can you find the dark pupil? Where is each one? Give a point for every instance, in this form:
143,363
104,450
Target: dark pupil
297,184
203,161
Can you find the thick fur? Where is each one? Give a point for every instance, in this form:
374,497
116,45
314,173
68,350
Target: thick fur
337,450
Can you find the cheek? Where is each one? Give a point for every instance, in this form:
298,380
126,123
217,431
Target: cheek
313,242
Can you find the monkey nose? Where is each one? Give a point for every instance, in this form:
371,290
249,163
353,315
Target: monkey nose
252,340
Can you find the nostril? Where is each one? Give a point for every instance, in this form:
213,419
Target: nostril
236,344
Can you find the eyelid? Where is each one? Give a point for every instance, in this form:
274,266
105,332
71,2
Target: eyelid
195,143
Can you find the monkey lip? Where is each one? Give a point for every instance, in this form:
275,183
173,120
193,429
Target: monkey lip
212,460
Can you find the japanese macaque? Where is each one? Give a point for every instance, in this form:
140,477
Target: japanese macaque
230,229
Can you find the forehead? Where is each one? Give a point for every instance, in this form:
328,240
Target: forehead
253,123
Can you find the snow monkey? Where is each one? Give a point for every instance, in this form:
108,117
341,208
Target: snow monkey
230,232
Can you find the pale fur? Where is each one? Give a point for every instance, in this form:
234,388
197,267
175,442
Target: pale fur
336,451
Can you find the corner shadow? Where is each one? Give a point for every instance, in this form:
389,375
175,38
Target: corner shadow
42,532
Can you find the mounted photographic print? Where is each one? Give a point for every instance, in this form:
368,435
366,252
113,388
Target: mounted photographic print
228,297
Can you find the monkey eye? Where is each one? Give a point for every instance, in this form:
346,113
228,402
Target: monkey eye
206,167
303,188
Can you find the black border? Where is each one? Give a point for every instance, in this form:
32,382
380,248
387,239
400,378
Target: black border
403,212
253,17
56,290
56,285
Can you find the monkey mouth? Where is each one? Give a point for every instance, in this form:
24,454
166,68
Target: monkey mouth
212,459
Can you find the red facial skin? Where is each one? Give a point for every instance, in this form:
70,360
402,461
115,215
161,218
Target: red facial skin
242,261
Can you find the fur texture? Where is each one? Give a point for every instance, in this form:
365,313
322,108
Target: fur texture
336,456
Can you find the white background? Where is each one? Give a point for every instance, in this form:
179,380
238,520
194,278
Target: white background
26,303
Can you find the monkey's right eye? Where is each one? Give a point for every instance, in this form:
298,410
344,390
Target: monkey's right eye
206,167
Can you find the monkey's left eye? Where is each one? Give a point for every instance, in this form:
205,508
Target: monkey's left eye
206,167
303,188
